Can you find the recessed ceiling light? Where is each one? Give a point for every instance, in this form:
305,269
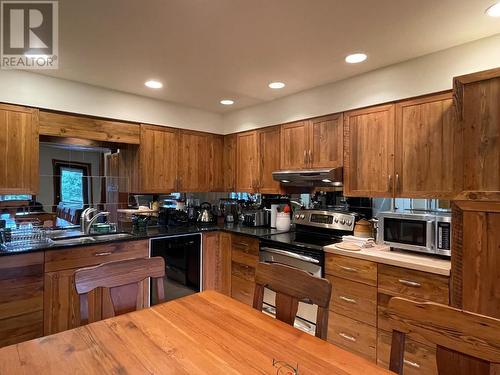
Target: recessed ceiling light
276,85
227,102
152,84
355,58
494,10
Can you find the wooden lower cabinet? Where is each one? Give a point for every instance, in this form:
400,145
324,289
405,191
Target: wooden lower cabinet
21,297
418,358
354,300
61,302
353,335
217,262
358,319
244,256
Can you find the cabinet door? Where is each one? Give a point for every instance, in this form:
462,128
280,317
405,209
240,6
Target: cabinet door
369,152
246,162
475,264
428,146
229,162
215,164
18,150
481,126
217,262
326,148
269,159
194,160
21,298
158,159
62,303
295,145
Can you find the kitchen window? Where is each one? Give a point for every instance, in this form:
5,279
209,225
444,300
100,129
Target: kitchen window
71,184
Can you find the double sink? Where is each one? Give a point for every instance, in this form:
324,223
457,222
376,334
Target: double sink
75,237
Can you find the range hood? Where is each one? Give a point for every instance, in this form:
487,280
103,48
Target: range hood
327,177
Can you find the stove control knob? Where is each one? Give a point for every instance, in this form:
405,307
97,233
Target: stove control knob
336,220
342,221
348,222
302,216
297,216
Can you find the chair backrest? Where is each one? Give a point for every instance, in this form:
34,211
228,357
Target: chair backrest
467,343
292,286
122,278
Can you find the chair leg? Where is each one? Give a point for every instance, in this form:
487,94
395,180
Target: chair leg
397,352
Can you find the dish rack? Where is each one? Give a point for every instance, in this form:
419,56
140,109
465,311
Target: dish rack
23,238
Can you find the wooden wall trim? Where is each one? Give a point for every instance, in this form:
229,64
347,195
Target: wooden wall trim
478,76
456,276
76,126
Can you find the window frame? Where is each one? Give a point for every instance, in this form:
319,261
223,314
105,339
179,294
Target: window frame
86,168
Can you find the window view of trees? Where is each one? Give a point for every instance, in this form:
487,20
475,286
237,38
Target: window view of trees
72,187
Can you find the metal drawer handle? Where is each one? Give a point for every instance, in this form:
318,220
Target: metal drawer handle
349,269
347,299
347,337
410,283
103,254
240,244
412,364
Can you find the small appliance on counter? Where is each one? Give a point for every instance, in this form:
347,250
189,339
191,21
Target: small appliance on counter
205,215
420,231
172,217
256,218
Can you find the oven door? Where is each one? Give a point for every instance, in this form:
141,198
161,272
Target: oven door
306,314
408,233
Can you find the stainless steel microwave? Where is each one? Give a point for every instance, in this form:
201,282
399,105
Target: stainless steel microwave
424,232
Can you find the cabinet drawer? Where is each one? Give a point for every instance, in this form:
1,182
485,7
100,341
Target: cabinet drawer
245,244
419,359
242,290
245,250
352,335
413,284
384,322
86,256
354,300
358,270
243,271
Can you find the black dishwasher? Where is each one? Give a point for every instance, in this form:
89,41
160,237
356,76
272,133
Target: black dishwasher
182,256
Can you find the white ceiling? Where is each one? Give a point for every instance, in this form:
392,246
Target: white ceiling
207,50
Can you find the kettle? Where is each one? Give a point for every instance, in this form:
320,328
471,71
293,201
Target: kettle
205,215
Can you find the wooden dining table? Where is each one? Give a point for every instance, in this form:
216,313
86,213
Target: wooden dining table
205,333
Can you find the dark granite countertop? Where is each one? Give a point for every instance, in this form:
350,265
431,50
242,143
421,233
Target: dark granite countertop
150,232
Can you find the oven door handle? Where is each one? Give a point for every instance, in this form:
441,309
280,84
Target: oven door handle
291,255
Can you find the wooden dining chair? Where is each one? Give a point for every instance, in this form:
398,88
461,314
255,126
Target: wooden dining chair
292,286
123,279
467,343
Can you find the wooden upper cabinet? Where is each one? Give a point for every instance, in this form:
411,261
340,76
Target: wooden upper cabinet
369,152
18,150
215,166
428,147
478,97
246,162
194,161
326,142
58,124
158,159
295,145
229,162
315,143
269,159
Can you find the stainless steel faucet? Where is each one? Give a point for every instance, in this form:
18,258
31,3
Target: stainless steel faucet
86,222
